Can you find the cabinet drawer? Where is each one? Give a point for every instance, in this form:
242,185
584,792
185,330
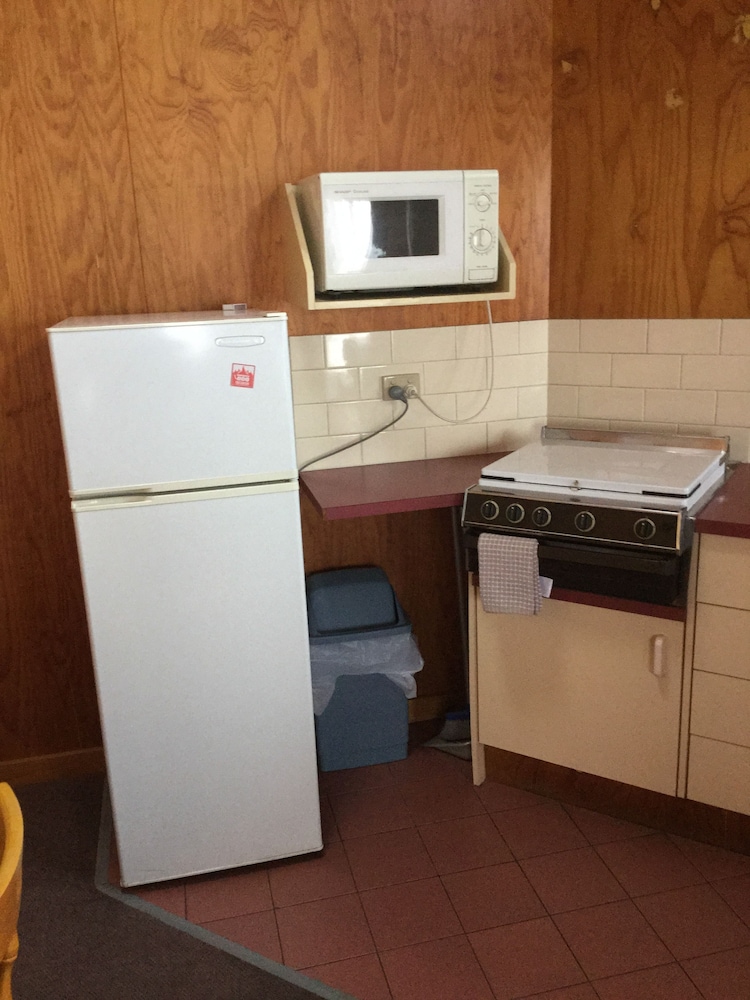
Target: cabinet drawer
719,774
721,708
724,571
722,641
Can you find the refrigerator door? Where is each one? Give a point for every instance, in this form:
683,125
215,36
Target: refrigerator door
151,405
198,628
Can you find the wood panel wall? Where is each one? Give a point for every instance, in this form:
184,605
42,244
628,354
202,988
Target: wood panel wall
143,149
651,159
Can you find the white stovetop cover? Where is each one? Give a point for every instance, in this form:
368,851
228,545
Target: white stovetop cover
606,467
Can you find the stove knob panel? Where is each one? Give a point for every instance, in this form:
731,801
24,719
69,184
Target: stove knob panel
541,517
515,513
644,528
585,521
490,509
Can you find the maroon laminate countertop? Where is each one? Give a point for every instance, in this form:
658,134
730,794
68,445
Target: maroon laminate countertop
728,513
394,487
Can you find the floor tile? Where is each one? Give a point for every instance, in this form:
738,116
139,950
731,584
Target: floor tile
388,858
570,880
316,877
600,829
324,931
612,939
724,976
460,844
328,822
713,862
440,797
537,830
510,957
447,969
224,896
582,992
256,931
167,897
694,921
497,797
736,892
406,914
645,865
372,810
361,977
355,779
666,982
491,897
425,762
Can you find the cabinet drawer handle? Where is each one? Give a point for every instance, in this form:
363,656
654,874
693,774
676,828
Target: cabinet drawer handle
657,655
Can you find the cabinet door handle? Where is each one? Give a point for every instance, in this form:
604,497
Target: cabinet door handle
657,655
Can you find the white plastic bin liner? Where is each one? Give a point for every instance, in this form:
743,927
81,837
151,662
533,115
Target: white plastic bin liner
396,656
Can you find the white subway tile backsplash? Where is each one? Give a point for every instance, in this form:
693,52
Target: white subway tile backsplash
533,336
456,439
532,401
684,336
419,416
462,375
358,417
608,403
723,372
512,434
474,341
646,371
431,344
395,446
735,336
564,334
521,369
613,336
733,408
311,448
306,352
500,404
680,406
349,350
311,420
562,400
580,369
326,386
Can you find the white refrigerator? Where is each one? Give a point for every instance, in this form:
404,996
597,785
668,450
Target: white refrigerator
179,443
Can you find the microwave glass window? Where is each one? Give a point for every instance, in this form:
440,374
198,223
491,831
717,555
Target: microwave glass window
405,228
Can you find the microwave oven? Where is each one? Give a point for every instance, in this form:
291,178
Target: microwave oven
397,230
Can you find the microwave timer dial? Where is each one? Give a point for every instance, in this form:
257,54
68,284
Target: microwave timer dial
482,240
483,202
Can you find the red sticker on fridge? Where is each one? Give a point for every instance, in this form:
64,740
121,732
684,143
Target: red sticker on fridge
243,376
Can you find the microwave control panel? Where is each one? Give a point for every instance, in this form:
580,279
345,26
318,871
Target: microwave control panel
481,196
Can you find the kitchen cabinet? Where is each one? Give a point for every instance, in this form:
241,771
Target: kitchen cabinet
589,688
719,745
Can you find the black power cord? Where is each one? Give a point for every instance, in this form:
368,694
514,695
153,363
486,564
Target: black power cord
395,392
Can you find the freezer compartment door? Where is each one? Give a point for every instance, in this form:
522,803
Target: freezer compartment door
199,636
166,407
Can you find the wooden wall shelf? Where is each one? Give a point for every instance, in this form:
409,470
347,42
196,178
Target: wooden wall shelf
301,280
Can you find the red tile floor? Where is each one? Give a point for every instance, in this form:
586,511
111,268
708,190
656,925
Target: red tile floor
431,889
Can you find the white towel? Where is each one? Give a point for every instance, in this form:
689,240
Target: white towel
509,574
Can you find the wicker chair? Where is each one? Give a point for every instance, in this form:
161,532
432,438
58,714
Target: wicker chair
11,843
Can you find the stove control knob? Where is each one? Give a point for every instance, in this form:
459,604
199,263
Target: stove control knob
644,528
541,517
515,513
490,510
585,521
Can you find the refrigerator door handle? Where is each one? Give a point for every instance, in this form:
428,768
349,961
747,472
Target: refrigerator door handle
239,341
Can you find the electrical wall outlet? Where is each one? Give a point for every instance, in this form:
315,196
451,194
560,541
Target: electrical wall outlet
409,383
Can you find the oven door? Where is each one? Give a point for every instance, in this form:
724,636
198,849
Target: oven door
632,574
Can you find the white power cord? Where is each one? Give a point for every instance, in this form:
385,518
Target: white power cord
491,358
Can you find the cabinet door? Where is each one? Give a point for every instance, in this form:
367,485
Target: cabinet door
575,685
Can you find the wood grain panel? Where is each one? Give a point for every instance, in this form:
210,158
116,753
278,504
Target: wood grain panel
416,551
227,101
651,170
67,247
